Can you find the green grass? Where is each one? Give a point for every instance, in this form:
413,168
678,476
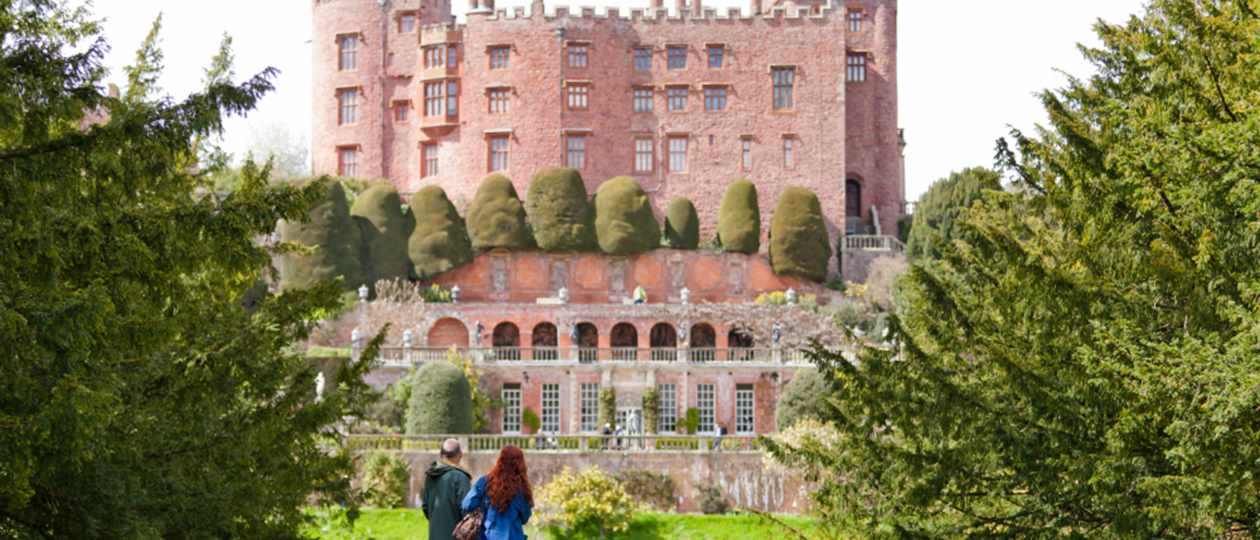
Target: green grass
319,351
410,523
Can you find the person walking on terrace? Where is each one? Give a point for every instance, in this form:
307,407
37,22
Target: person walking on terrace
505,497
445,485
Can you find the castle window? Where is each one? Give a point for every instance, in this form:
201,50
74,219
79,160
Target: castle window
452,98
589,395
406,23
784,78
433,98
550,408
452,56
347,106
855,20
498,100
429,167
677,56
402,111
667,410
857,67
745,153
575,151
578,55
644,155
789,152
578,96
643,100
643,58
745,421
677,98
499,57
347,53
678,154
347,161
715,98
705,401
498,153
512,408
433,56
716,54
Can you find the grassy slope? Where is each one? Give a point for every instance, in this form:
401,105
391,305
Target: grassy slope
409,524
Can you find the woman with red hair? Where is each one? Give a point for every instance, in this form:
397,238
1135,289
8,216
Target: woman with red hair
504,497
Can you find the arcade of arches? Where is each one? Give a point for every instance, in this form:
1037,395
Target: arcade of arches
622,337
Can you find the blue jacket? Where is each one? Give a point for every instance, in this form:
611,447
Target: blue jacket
507,525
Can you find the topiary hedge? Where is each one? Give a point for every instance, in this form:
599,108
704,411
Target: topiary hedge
682,225
624,222
440,402
385,228
799,245
440,240
335,243
805,396
496,217
739,219
559,212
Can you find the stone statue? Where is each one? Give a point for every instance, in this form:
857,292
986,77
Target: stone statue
455,294
364,291
573,335
791,296
477,330
685,295
682,332
319,387
563,295
776,333
408,336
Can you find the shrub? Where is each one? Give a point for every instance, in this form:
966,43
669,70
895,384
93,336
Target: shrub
779,298
651,410
624,222
559,212
690,423
385,228
682,225
530,420
607,405
739,219
334,243
649,488
384,480
496,217
588,504
881,280
799,245
938,217
440,402
712,501
482,402
439,241
805,396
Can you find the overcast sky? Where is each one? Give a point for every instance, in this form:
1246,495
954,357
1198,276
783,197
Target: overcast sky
968,68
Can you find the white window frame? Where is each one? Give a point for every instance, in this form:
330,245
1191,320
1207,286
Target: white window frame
347,52
639,54
434,101
644,155
644,100
550,408
677,153
676,98
676,57
499,148
745,409
789,152
855,20
579,55
783,81
500,57
579,96
589,405
407,23
715,98
511,396
499,100
575,150
666,408
429,157
706,402
347,161
720,56
347,106
856,67
745,153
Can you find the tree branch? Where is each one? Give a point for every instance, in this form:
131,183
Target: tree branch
1220,92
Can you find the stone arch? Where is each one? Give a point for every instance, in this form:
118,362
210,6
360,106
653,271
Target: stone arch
543,342
664,341
740,345
624,340
587,342
447,332
853,205
702,342
506,339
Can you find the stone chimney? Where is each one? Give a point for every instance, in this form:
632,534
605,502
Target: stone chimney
658,4
697,9
681,6
754,7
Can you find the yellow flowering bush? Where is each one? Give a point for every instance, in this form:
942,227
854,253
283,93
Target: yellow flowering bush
586,504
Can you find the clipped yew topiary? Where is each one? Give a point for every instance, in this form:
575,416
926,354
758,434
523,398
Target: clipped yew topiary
739,219
624,222
334,241
496,217
799,245
440,240
559,212
385,228
682,225
440,402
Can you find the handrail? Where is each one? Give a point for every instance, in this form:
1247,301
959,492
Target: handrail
411,356
555,442
873,242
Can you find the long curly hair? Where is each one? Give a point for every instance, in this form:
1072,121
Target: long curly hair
508,478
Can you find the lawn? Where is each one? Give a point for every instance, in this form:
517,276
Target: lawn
410,524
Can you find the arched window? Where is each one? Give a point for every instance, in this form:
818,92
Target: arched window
507,341
624,340
543,342
664,341
852,206
740,346
702,343
587,342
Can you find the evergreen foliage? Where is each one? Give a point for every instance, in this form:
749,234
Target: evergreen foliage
140,399
330,243
937,216
805,396
624,222
799,244
607,413
496,217
682,225
651,410
440,401
559,211
739,219
385,229
1084,362
439,242
586,504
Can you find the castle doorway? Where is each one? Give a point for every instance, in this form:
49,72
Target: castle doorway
664,341
624,340
703,341
739,346
507,342
544,341
587,342
852,207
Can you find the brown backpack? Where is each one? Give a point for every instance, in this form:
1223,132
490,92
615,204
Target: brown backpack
469,528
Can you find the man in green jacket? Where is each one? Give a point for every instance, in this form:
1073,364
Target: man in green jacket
445,485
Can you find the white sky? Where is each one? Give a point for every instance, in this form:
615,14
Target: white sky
968,68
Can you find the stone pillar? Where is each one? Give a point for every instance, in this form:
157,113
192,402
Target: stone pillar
697,8
681,7
754,7
575,412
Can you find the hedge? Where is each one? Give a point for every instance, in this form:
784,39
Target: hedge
441,400
385,228
335,243
799,245
682,225
440,240
496,217
558,211
624,222
739,219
